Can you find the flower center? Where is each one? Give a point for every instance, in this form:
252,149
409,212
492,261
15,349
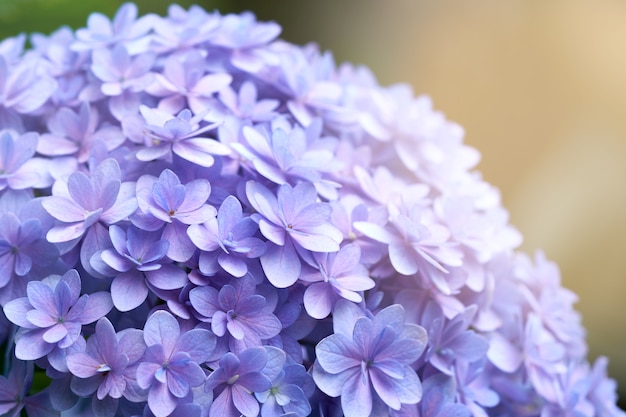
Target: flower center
232,379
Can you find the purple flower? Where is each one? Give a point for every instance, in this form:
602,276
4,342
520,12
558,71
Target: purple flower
14,393
85,204
246,105
107,367
125,28
177,205
22,88
416,244
244,36
138,257
337,275
18,168
236,311
184,84
76,133
181,135
289,156
450,341
288,393
184,29
227,240
22,244
366,360
170,366
52,315
293,220
238,378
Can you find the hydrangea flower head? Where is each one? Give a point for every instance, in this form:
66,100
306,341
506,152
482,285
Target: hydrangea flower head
200,219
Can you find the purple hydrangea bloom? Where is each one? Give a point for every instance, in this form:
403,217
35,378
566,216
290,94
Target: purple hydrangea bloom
83,202
76,133
22,245
138,259
237,312
288,393
107,367
52,315
337,275
180,134
14,393
166,201
170,366
238,378
227,240
366,360
243,210
292,220
18,168
184,84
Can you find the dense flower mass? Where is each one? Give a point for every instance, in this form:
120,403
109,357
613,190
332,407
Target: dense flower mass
200,219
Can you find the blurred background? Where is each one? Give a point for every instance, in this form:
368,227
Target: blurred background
540,88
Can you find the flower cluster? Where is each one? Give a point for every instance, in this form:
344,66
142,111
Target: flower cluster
200,219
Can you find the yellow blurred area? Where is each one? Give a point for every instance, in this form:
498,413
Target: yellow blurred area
540,87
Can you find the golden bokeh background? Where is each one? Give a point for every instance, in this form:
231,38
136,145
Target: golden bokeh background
540,87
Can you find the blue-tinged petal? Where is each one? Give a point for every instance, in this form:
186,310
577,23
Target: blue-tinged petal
405,351
345,316
122,209
503,353
160,400
177,382
229,214
83,365
40,318
403,257
41,297
131,343
197,343
263,201
245,402
16,311
61,234
232,264
98,305
82,191
63,209
356,396
385,388
333,384
275,233
162,328
145,374
200,151
197,216
113,260
236,329
281,265
265,326
196,194
409,388
29,345
23,264
219,323
128,290
336,353
205,300
318,300
469,346
55,333
168,277
181,247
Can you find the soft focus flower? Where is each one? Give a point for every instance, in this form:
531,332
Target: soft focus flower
199,219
